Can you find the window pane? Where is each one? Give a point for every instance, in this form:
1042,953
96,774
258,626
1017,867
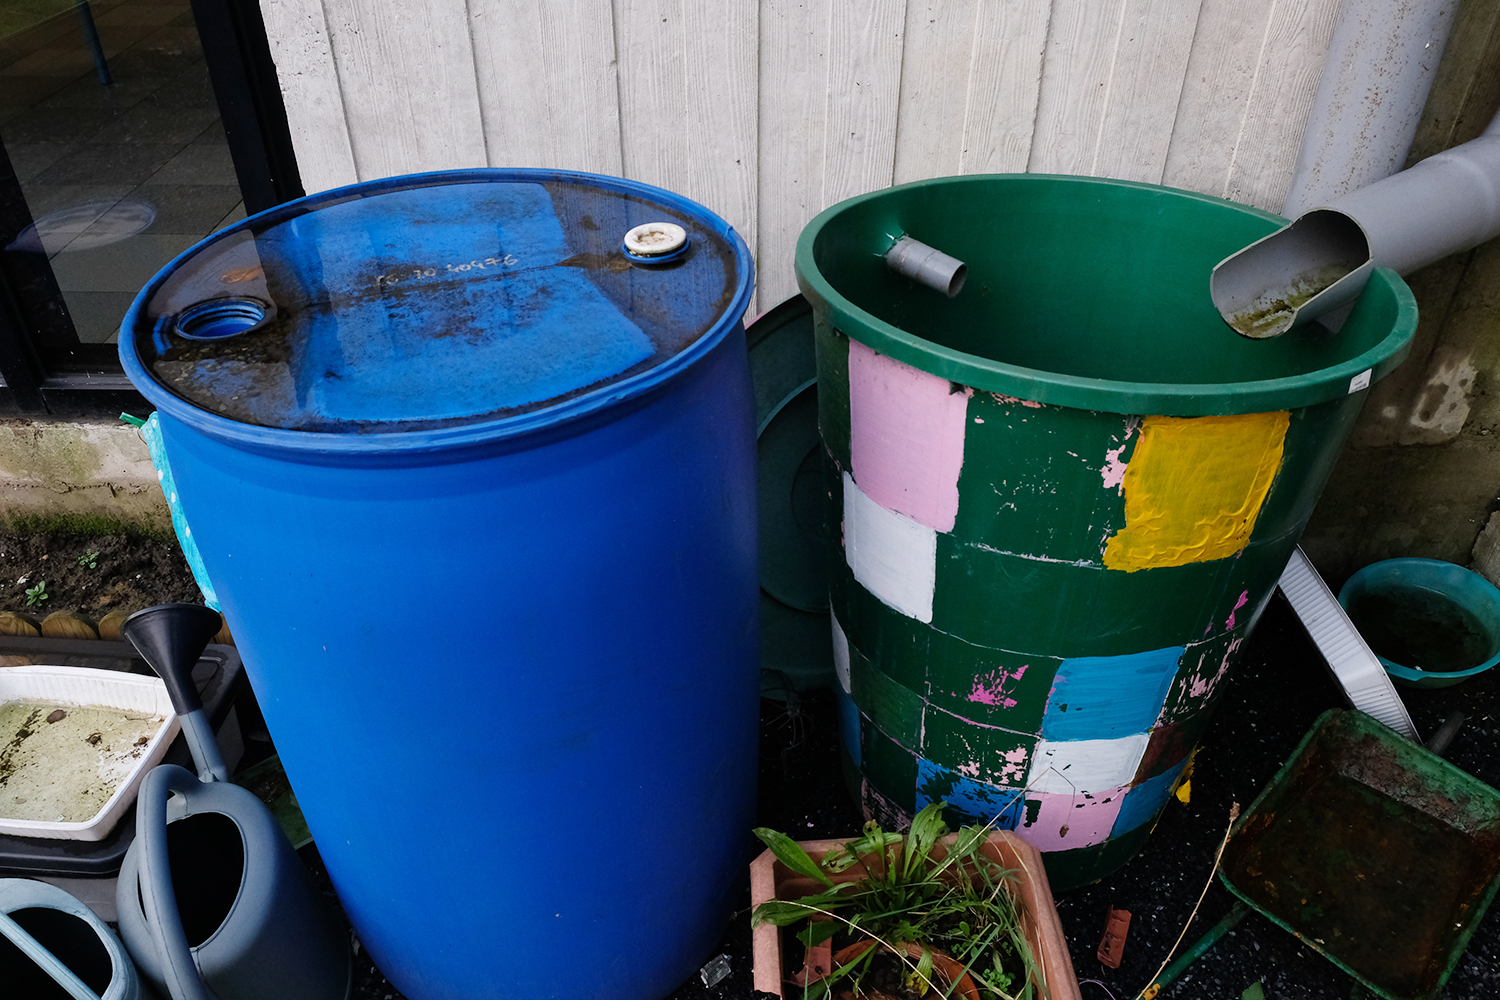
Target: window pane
117,179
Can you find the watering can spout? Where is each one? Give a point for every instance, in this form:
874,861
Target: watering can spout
171,638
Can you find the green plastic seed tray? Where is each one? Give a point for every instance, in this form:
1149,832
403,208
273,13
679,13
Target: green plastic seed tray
1373,851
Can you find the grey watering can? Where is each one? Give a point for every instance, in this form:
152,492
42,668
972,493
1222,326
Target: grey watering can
213,902
51,945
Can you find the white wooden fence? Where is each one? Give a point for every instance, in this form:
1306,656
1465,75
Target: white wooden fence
767,111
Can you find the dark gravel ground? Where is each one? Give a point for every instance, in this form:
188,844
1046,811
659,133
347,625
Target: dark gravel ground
1269,705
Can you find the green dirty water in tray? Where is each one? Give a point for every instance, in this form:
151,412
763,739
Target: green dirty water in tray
1376,859
1422,630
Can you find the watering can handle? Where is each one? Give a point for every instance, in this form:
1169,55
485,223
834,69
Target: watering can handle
178,968
32,949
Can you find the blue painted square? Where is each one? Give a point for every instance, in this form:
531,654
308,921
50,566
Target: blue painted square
1145,800
848,725
1106,697
969,801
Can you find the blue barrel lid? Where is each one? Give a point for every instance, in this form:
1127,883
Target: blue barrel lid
435,301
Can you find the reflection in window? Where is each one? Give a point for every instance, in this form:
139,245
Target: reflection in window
117,179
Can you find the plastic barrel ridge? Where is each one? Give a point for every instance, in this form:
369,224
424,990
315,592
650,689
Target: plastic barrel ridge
1064,496
478,494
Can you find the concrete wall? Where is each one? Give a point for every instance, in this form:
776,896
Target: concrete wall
92,476
1421,474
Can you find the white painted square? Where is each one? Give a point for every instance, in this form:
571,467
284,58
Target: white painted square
840,653
893,556
1068,767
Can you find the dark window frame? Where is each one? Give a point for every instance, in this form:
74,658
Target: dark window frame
248,94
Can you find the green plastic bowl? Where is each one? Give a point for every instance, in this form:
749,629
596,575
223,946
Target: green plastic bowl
1431,623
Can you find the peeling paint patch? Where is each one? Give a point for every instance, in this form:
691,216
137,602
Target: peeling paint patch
1030,404
1196,686
1015,764
1113,470
882,808
995,687
1244,600
968,800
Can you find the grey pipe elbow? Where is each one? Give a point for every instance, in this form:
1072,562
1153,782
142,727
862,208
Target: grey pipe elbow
1445,204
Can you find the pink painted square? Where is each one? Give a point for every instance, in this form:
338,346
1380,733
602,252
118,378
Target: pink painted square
906,437
1066,822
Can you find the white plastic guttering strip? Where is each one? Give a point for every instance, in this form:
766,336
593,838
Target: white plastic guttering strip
1355,666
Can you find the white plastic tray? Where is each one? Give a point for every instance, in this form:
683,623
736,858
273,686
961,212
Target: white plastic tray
85,686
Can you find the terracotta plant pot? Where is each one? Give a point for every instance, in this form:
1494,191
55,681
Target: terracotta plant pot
770,879
948,969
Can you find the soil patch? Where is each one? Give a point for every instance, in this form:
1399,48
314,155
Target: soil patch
92,574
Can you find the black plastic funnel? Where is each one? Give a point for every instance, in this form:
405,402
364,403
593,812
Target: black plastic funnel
171,638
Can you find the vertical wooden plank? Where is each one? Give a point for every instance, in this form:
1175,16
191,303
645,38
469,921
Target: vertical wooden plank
1081,43
298,35
1005,76
406,71
1250,83
1155,41
1215,94
1291,65
723,91
650,40
935,63
792,116
546,80
688,94
864,82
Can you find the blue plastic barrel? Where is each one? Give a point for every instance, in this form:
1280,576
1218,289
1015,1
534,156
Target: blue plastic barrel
475,488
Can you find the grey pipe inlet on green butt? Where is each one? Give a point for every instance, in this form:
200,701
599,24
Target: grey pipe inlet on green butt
928,265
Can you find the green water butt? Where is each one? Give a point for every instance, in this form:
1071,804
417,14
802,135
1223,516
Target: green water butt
1061,498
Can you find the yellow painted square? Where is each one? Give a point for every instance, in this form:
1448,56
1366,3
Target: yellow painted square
1194,488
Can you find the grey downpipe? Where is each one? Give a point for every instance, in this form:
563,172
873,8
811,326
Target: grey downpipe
1381,62
1380,66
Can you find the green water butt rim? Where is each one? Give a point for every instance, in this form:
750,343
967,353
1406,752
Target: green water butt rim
1384,289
